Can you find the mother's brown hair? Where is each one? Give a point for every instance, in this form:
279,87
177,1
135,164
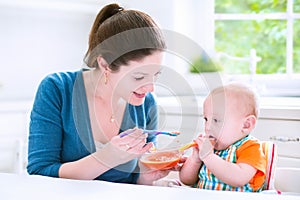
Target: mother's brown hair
120,35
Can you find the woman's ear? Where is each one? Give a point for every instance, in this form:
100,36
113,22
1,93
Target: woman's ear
103,65
249,124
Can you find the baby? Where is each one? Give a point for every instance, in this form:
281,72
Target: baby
227,157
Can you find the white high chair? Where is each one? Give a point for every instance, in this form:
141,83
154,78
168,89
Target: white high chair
287,180
270,150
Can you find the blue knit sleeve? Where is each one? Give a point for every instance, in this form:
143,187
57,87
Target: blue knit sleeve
45,131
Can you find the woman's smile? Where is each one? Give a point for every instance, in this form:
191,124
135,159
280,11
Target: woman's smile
139,95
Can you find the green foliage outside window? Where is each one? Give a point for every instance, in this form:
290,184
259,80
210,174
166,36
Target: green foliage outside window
250,6
268,37
297,6
204,63
296,54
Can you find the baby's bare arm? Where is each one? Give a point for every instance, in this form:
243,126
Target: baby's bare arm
189,172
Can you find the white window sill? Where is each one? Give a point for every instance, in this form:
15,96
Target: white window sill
188,84
287,108
272,85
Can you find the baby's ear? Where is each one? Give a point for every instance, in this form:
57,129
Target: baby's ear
249,124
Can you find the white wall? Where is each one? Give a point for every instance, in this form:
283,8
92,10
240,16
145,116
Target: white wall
35,42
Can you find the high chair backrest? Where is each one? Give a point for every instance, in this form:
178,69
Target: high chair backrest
270,150
287,180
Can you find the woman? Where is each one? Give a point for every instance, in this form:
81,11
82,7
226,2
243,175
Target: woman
77,117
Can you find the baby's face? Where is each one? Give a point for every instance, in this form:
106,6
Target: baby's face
223,120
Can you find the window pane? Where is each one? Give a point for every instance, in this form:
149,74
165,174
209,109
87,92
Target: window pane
296,54
297,6
250,6
268,37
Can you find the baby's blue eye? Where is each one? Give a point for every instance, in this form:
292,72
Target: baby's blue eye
216,120
157,74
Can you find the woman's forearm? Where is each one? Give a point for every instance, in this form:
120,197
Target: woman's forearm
87,168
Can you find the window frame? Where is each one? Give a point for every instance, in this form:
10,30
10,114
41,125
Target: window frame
289,16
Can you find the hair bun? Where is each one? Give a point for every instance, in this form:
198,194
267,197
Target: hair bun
120,9
110,10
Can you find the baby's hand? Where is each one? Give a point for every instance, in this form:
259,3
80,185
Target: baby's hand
195,153
205,146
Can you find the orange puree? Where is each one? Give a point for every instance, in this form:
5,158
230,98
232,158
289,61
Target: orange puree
161,160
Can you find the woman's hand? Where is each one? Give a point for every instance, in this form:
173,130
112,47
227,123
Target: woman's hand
179,164
123,148
132,141
148,176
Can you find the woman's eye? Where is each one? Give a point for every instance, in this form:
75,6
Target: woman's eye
205,119
139,78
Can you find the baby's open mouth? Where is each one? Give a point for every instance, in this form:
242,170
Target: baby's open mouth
212,139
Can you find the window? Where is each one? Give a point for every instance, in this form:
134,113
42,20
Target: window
270,27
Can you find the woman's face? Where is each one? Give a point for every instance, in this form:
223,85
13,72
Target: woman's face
133,81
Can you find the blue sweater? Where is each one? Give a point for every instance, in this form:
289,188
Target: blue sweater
60,129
